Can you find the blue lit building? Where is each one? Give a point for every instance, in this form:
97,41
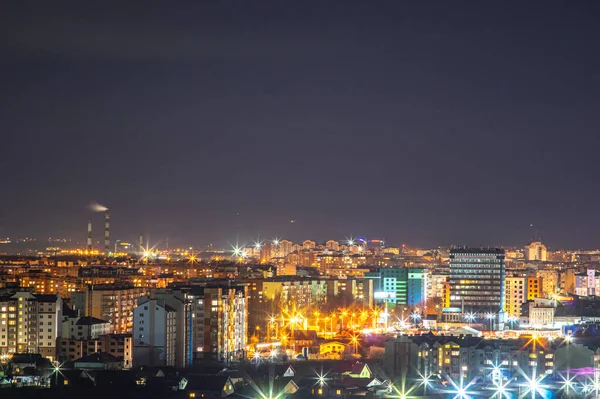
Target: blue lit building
399,286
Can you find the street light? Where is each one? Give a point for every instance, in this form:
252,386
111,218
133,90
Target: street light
470,317
415,317
490,316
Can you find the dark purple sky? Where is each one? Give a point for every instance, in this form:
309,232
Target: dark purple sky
425,122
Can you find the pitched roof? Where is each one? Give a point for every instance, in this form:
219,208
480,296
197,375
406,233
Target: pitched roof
68,312
98,357
51,298
206,382
26,358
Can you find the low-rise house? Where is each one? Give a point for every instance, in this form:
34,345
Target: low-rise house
198,386
98,361
333,350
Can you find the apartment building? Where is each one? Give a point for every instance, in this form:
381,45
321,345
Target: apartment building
111,302
30,323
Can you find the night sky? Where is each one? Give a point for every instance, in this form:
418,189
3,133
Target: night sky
423,122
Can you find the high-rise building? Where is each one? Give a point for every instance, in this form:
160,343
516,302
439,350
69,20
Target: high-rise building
416,292
162,331
220,321
536,251
332,245
515,294
30,323
477,282
111,302
285,247
308,245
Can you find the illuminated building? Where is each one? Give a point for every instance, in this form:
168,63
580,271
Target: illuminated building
541,312
84,327
45,283
391,250
308,245
516,295
403,286
302,292
534,288
536,251
118,345
436,285
587,284
286,269
361,289
30,323
549,282
219,321
477,282
111,302
332,245
285,247
162,331
416,290
466,357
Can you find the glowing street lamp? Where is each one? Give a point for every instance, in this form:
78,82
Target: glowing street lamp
415,317
470,317
355,342
490,316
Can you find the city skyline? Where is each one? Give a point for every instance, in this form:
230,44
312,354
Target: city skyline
422,123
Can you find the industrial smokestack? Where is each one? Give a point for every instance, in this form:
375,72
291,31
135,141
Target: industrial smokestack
107,231
89,237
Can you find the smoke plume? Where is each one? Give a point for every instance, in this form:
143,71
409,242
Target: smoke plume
96,207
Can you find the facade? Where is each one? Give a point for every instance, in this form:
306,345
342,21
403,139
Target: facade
30,323
86,327
219,321
536,251
416,292
516,295
302,292
518,290
110,302
550,285
399,285
466,358
477,282
332,245
118,345
162,331
307,245
588,283
541,312
285,247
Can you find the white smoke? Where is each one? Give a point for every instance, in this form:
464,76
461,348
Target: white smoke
96,207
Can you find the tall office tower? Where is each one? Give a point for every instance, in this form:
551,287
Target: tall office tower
536,251
30,323
477,282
